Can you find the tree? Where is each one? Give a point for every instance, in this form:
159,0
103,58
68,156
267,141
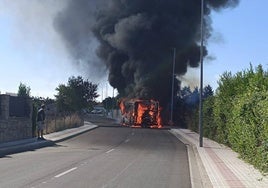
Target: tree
187,106
110,103
23,90
76,95
208,91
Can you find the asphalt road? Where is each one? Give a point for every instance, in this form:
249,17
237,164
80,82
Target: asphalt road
106,157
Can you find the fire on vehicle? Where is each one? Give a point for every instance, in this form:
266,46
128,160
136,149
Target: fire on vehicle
140,113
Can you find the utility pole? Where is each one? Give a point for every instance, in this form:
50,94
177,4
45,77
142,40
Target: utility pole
113,104
201,78
172,86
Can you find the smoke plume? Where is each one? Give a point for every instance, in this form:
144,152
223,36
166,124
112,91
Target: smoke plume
136,39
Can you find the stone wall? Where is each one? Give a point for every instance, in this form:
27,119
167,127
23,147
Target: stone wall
14,128
4,106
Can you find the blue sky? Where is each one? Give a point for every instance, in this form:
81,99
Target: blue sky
34,54
239,38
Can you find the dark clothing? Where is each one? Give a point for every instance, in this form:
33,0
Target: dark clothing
41,115
41,122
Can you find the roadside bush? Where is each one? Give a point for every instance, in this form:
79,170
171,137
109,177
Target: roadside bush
223,102
192,119
249,133
237,115
209,126
59,123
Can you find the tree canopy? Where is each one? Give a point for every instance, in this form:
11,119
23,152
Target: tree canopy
24,91
76,94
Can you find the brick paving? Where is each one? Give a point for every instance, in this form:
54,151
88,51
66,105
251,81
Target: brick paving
222,165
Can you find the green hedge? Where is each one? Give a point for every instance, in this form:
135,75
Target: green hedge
249,132
237,115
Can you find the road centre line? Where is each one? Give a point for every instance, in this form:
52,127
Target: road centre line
65,172
109,151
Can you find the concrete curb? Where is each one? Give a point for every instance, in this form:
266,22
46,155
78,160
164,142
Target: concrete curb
198,175
51,139
70,133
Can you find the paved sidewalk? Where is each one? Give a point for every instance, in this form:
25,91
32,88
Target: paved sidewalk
50,139
221,164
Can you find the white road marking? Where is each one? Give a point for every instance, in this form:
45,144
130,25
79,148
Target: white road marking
66,172
109,151
127,140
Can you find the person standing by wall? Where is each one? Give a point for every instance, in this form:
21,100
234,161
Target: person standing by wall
41,122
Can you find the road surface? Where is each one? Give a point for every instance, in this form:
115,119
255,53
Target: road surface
107,157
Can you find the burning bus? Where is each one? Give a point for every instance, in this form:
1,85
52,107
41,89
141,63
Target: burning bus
140,113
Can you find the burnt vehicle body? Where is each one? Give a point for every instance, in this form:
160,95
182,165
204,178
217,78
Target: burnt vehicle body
140,113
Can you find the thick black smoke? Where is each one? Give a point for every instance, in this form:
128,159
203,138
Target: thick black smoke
75,23
137,37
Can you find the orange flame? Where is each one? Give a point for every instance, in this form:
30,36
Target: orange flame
122,107
138,113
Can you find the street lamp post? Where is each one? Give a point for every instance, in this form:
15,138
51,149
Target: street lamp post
201,78
172,86
113,104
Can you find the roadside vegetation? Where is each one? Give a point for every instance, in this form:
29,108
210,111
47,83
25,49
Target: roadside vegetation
237,115
66,110
76,94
